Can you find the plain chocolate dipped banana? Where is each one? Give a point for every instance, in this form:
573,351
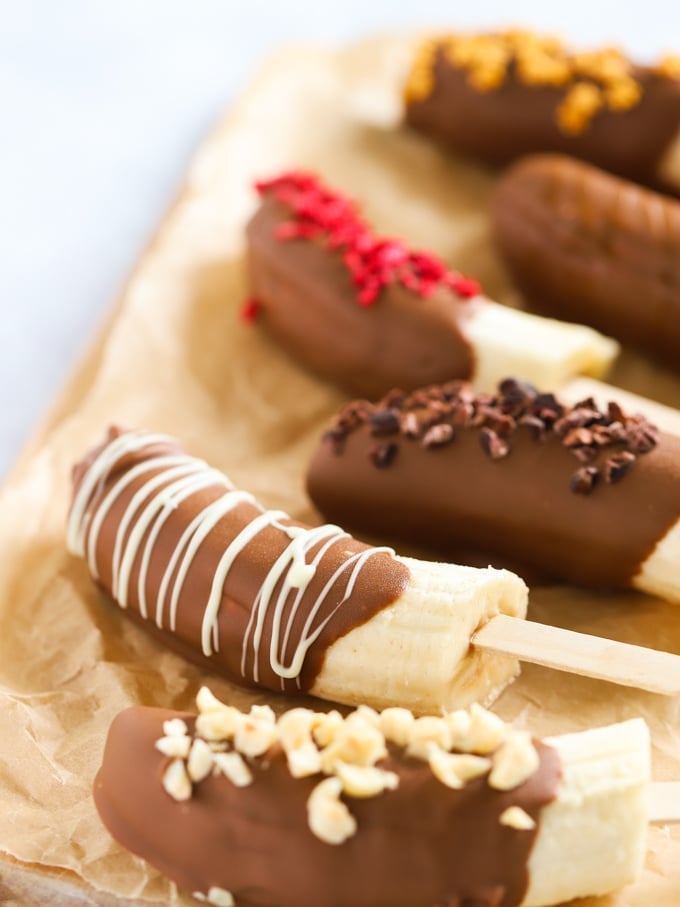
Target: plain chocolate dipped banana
255,596
498,96
375,809
590,495
368,313
589,247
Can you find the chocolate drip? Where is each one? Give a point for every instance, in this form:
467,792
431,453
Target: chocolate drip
308,303
588,247
516,491
380,578
420,845
502,124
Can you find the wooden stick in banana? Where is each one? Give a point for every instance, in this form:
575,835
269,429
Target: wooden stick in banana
369,314
382,808
256,596
589,494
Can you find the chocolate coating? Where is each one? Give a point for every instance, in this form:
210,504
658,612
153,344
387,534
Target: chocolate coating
308,303
380,581
519,505
514,119
588,247
420,845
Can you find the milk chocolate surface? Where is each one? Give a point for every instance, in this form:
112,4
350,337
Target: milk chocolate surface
539,489
379,582
420,845
515,118
309,300
588,247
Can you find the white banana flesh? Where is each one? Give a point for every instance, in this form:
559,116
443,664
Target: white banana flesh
592,837
660,573
543,351
417,651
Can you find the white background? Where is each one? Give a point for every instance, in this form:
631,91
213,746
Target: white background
101,105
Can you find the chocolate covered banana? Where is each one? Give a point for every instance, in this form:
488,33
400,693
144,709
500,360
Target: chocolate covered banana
590,495
375,809
251,594
502,95
369,314
586,246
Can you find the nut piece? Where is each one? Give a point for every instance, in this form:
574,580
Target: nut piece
328,817
487,731
206,701
220,724
515,817
396,724
454,769
295,733
220,897
326,726
175,746
175,727
514,762
255,734
426,731
200,761
357,742
234,767
176,782
365,780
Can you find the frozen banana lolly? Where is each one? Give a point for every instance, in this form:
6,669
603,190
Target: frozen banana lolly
368,313
375,809
589,494
255,596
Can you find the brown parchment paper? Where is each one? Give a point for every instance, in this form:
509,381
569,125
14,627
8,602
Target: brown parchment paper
174,357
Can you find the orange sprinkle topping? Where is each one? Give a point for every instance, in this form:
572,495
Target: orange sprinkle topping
592,80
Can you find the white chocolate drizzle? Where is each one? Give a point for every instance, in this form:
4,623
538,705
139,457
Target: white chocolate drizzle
166,480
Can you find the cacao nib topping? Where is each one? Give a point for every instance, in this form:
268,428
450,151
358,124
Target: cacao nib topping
584,480
616,467
435,414
439,435
383,454
385,422
492,445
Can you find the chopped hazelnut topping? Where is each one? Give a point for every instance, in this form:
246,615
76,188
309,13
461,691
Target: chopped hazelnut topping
175,728
425,731
219,897
176,782
328,817
516,817
175,746
295,733
255,735
200,761
454,769
365,780
487,731
623,94
357,742
206,701
396,724
234,767
668,67
325,727
514,762
219,725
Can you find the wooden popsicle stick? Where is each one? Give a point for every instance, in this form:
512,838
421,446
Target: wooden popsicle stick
665,417
580,653
664,802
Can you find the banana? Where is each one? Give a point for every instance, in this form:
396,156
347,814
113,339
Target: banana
369,314
266,601
417,652
591,838
544,351
382,807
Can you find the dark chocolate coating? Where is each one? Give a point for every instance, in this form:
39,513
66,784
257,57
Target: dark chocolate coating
379,583
519,507
588,247
420,845
514,119
308,304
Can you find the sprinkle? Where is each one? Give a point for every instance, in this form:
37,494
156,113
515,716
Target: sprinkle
374,262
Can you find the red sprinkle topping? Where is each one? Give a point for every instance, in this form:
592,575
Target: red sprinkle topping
374,262
249,310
